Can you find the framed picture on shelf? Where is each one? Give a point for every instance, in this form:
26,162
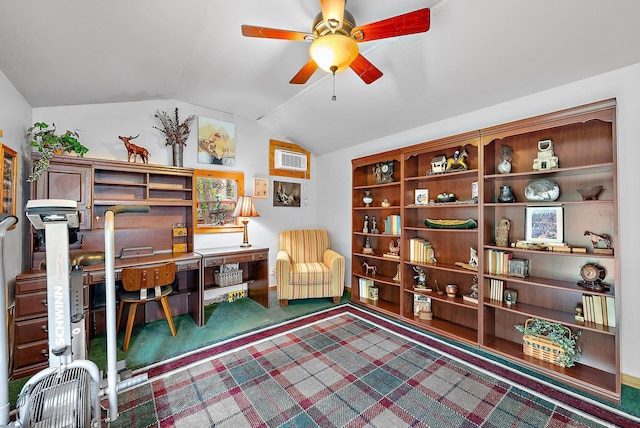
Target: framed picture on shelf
544,224
422,196
510,296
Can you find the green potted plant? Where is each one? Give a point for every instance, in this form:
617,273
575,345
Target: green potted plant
49,144
539,336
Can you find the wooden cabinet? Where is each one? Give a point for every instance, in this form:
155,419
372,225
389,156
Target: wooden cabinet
584,142
31,346
67,181
252,261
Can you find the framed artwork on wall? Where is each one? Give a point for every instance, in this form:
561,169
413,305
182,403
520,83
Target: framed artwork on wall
215,200
260,188
216,142
9,179
286,194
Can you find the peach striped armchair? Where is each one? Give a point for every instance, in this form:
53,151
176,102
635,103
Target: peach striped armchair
307,267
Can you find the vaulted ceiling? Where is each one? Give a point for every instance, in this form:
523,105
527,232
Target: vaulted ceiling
477,53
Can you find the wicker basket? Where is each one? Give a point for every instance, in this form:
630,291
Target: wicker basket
225,279
542,348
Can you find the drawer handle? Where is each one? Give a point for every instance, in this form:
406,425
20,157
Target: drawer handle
44,328
44,302
45,352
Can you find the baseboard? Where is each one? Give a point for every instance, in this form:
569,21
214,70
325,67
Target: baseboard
631,381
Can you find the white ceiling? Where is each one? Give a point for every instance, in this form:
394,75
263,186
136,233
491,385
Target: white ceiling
476,54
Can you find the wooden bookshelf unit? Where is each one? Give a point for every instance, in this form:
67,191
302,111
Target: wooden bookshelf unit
584,142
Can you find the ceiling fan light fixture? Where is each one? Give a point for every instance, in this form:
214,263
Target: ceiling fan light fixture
333,50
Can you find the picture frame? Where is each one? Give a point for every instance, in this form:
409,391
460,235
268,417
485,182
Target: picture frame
421,196
544,224
9,170
216,195
260,188
216,142
286,194
510,296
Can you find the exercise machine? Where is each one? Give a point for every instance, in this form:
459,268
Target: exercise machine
6,222
68,392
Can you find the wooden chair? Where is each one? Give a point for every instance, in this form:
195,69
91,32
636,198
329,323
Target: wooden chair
142,285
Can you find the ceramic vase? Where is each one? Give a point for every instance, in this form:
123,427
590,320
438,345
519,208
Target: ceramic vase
506,195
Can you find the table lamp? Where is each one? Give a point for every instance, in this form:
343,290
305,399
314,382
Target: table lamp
244,210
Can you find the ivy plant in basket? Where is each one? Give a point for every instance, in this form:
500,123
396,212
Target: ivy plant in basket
49,144
558,334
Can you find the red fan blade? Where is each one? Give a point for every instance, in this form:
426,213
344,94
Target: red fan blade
332,13
417,21
305,73
367,71
274,33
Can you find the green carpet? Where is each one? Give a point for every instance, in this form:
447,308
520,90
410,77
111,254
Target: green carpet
152,342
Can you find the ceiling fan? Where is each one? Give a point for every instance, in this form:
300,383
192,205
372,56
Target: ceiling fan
335,36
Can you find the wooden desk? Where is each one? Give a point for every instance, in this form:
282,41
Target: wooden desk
30,338
186,299
254,262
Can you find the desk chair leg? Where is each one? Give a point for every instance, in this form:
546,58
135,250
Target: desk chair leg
130,320
167,313
120,311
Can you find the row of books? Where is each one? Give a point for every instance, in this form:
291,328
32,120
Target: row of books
496,289
420,250
498,261
599,309
392,225
363,286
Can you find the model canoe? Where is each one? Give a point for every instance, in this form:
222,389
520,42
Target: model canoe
450,224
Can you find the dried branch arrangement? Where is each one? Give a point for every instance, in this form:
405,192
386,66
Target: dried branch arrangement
174,131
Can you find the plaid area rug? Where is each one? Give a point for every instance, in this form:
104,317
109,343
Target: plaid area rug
345,367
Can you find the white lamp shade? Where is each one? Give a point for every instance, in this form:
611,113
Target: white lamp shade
333,50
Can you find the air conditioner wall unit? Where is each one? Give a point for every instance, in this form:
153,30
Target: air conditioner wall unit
292,161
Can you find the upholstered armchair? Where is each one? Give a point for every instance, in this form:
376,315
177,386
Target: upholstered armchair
306,266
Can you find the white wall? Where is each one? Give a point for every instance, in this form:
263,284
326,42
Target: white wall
15,112
101,124
334,194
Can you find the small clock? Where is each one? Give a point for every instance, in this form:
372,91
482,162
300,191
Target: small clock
383,172
592,276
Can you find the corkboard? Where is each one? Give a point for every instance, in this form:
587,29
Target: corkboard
275,144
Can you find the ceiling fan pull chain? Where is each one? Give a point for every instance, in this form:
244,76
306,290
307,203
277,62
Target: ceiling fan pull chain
333,71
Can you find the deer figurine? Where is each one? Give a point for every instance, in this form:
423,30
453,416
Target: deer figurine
133,150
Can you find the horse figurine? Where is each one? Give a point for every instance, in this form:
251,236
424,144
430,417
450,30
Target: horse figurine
394,249
457,162
598,241
133,150
368,268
